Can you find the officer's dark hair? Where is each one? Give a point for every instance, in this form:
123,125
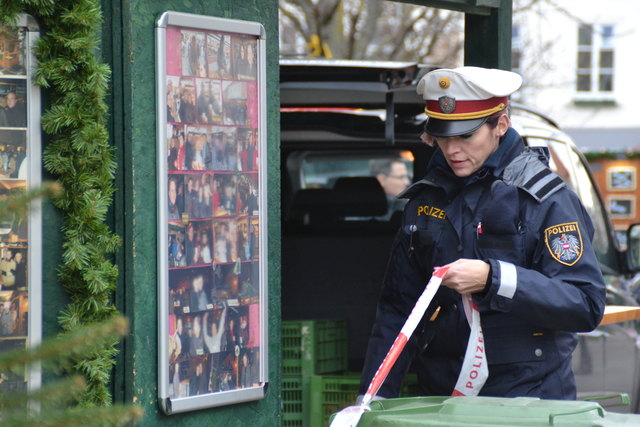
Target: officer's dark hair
493,119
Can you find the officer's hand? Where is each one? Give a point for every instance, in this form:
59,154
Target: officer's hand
467,276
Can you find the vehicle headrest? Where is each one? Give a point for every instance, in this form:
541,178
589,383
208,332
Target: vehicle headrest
310,205
359,196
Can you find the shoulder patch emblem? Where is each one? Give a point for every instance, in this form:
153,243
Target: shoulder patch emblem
564,242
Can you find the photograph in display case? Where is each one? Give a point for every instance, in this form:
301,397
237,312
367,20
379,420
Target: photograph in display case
213,275
20,258
12,51
13,103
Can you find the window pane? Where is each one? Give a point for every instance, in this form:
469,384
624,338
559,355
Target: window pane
584,82
320,170
585,35
589,197
605,83
606,59
584,59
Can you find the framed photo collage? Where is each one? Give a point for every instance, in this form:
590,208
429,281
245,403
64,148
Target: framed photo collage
213,284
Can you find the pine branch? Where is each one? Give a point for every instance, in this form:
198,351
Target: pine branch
116,415
56,393
66,347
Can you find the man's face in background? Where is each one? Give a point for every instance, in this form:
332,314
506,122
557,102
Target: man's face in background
397,179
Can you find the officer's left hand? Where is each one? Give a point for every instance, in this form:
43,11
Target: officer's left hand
467,276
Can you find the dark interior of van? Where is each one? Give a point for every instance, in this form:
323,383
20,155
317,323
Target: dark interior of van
335,250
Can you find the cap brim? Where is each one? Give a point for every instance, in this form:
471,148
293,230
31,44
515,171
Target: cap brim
446,128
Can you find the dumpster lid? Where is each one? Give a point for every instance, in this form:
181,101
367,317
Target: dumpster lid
486,411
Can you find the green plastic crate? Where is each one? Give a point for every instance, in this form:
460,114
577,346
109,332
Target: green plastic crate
330,393
312,347
292,401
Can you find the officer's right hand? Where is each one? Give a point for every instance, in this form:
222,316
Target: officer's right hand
467,276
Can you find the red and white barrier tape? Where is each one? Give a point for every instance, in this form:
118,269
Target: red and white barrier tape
474,370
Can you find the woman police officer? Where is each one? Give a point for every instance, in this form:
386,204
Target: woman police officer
513,236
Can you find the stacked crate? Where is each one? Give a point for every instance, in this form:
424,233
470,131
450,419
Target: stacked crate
309,347
331,393
315,383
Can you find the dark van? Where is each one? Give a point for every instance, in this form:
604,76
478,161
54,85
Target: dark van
340,117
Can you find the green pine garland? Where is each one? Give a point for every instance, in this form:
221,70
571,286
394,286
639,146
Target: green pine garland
611,155
80,156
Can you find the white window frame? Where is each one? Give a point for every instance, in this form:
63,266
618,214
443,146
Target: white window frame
599,41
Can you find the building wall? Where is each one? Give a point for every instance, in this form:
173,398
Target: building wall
128,45
617,180
549,34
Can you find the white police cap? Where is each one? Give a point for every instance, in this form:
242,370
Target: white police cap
460,100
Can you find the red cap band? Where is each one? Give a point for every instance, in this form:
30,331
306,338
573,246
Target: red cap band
472,109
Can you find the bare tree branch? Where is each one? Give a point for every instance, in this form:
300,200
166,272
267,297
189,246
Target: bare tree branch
407,29
371,29
367,26
329,15
351,41
294,21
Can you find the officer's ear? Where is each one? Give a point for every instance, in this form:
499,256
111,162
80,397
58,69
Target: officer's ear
503,124
428,139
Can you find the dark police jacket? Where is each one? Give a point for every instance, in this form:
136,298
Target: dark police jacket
544,286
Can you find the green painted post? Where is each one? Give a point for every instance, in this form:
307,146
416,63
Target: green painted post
131,28
487,39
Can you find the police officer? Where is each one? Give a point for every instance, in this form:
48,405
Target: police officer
513,236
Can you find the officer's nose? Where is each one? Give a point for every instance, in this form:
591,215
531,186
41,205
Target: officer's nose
448,145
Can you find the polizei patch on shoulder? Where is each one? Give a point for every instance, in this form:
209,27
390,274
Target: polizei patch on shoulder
564,242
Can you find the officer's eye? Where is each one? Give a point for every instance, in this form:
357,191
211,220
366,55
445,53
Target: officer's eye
466,135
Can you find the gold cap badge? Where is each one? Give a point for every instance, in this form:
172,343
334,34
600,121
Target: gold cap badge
444,82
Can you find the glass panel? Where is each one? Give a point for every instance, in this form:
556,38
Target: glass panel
213,334
560,163
320,170
606,59
591,201
585,35
14,178
584,82
213,212
393,170
584,59
605,83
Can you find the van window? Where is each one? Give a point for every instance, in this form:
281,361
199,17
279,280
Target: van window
390,172
320,169
602,239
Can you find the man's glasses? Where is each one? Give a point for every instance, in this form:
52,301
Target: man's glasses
402,177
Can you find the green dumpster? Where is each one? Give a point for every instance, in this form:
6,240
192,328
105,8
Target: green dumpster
491,411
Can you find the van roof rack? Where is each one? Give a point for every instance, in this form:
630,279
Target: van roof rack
331,82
